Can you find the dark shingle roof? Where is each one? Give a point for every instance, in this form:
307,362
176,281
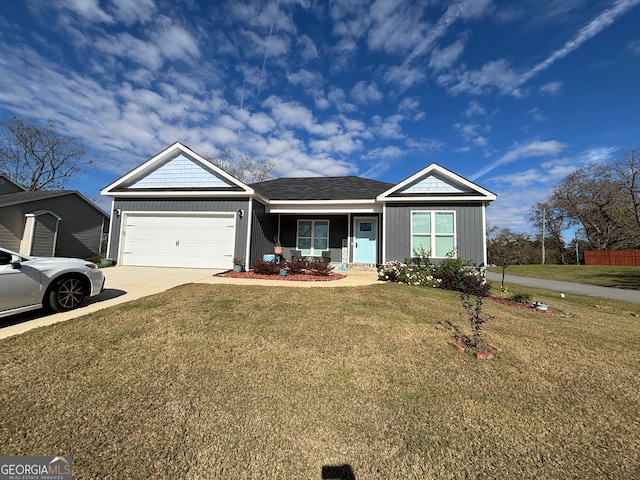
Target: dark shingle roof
321,188
32,196
28,196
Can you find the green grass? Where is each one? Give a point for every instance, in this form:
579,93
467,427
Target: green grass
248,382
605,276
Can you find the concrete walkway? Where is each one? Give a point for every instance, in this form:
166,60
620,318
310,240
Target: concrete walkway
629,296
124,284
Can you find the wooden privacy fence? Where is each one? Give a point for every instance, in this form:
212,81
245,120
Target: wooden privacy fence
625,258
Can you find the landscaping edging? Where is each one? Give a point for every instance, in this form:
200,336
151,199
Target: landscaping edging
295,277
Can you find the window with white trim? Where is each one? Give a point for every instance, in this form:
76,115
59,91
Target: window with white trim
313,237
434,231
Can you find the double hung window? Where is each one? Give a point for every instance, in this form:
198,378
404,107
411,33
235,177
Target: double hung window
434,231
313,237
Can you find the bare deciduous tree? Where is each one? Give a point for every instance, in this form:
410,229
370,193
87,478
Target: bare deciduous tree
593,197
505,248
627,168
38,158
244,167
555,223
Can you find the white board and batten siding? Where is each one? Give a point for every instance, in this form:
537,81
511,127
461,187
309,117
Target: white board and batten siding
172,239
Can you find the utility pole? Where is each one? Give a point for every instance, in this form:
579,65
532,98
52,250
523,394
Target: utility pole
544,220
575,239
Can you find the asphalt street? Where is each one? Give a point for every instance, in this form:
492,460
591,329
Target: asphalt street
629,296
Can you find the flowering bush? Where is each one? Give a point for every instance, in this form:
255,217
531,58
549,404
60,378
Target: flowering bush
450,274
407,273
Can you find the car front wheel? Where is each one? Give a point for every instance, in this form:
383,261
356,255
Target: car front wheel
66,294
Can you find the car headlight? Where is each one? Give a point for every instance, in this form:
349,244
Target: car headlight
91,265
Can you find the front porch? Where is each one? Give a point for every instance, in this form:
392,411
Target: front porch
346,239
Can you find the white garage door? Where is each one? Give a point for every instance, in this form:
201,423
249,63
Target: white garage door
191,241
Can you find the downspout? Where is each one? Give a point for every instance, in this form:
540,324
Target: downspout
100,238
384,233
279,219
108,252
55,238
249,230
349,239
484,234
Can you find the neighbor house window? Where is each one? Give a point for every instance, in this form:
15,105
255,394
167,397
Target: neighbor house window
434,232
313,236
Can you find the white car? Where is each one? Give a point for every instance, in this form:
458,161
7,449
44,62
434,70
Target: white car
30,283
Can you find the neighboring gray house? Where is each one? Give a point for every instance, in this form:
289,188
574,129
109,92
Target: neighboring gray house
60,223
178,209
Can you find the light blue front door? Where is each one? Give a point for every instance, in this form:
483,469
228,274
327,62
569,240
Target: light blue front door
366,240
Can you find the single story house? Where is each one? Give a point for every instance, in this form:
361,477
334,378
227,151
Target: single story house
178,209
46,223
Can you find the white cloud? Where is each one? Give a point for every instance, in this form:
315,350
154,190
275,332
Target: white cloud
88,9
174,41
306,78
389,127
307,48
533,149
445,58
404,76
536,115
396,26
261,123
499,75
475,109
551,88
495,74
598,155
365,93
587,32
634,47
132,11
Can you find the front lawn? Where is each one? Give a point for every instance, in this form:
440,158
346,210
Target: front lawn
242,382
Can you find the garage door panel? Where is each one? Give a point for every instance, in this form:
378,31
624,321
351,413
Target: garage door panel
196,241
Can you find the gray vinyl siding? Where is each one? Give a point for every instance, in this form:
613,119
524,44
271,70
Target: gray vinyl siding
181,205
470,230
44,235
264,228
11,226
79,230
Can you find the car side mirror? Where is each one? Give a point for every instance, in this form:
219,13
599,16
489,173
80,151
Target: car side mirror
16,261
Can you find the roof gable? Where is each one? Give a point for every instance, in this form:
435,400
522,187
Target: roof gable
177,170
9,186
436,183
182,172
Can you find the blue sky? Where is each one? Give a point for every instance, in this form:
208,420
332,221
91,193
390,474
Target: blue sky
513,95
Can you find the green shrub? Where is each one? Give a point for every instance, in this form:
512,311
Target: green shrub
520,297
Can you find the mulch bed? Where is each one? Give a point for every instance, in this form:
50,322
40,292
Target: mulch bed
525,306
304,277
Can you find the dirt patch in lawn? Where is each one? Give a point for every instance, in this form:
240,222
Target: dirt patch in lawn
304,277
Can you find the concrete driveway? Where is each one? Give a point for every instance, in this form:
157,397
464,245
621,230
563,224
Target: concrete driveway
125,283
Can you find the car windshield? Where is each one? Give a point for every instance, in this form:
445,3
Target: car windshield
5,257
